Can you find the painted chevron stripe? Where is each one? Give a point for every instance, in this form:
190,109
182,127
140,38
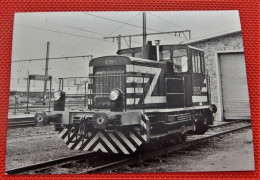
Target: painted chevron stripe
63,132
101,147
126,141
137,141
112,148
108,142
118,143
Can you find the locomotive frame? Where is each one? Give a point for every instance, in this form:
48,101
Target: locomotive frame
135,103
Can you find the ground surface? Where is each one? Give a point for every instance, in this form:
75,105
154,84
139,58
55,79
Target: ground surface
233,152
31,145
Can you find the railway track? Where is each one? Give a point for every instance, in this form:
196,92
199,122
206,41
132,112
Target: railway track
21,122
40,168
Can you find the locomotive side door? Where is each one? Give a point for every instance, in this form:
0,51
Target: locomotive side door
178,86
199,81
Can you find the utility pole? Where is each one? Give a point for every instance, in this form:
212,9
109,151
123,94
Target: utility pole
46,74
119,42
144,28
145,34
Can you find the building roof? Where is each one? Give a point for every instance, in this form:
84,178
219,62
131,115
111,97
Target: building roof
211,36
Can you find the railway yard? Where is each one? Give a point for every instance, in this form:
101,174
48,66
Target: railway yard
37,150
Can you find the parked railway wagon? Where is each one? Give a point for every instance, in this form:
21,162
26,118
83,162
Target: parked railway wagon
137,102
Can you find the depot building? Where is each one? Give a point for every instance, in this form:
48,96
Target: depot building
225,62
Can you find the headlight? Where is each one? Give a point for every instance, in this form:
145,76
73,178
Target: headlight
57,95
114,94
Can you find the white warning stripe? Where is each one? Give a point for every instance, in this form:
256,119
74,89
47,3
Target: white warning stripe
118,143
126,141
204,89
101,147
66,139
108,143
143,124
132,100
199,99
70,145
136,140
134,90
144,136
79,145
91,142
137,80
63,132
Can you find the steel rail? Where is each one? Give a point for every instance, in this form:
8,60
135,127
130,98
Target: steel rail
136,159
48,164
228,123
120,163
20,122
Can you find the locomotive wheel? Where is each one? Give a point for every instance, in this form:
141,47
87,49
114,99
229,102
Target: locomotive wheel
157,144
40,119
201,128
180,138
153,145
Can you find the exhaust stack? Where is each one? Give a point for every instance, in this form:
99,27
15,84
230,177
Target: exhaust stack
157,43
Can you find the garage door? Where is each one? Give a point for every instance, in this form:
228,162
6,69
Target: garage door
234,86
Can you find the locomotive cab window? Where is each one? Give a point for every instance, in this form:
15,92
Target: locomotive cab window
180,60
165,55
127,54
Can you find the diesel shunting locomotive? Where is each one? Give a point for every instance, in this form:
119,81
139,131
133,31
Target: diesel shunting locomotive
140,96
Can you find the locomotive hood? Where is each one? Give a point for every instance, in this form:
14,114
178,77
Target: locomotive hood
119,60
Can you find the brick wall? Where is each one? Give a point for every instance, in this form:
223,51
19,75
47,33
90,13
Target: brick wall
229,42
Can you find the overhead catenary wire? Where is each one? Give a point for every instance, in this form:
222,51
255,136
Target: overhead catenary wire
82,29
54,58
60,32
67,26
120,22
71,34
170,22
125,24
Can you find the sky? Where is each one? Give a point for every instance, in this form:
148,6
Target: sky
82,33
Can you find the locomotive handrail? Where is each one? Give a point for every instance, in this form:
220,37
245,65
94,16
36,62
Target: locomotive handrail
105,75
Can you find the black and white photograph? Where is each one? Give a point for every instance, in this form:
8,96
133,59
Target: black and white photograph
128,92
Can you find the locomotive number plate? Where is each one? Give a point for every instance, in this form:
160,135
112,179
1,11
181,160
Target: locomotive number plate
109,62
